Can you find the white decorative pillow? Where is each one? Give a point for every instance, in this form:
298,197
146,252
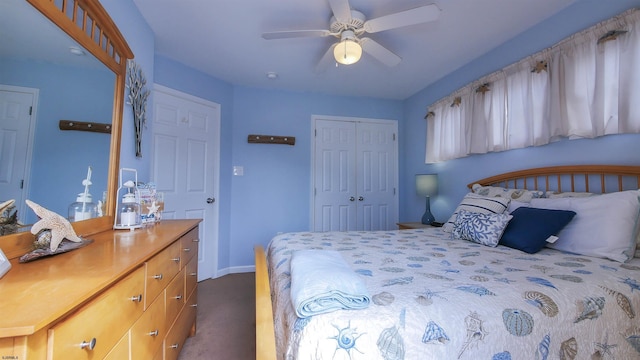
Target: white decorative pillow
558,195
479,204
521,195
485,229
514,204
605,225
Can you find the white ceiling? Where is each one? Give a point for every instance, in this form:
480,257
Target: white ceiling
223,39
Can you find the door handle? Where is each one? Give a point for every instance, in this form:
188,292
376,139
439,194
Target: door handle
210,200
352,199
360,198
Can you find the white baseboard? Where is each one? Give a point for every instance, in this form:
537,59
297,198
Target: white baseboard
235,270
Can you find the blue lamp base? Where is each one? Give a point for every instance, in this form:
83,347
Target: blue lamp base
428,217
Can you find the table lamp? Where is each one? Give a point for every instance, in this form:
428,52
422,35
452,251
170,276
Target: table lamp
427,185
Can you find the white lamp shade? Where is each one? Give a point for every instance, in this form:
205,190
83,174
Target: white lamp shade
347,52
427,184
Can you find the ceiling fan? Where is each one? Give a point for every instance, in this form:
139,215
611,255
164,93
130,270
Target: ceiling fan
349,26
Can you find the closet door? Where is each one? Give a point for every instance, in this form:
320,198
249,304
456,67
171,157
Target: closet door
355,175
335,180
376,174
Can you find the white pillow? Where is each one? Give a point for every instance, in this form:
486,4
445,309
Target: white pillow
521,195
514,204
605,225
478,204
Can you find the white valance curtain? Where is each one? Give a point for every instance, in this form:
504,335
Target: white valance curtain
582,87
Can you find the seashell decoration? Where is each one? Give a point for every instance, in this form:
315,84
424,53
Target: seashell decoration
630,267
543,302
569,349
475,331
518,322
541,281
391,344
505,355
434,334
466,262
632,336
542,353
383,299
623,301
589,308
423,300
479,278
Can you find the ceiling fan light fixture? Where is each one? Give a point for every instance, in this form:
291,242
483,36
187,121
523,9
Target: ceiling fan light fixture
348,51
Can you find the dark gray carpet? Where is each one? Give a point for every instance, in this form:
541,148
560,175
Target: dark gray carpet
226,320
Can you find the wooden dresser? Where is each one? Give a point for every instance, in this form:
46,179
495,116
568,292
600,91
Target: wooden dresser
128,295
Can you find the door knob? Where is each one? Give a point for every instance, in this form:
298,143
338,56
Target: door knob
352,199
360,198
210,200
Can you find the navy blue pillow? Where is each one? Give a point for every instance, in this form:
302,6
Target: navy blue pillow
529,228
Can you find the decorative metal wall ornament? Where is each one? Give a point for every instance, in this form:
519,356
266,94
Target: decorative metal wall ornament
137,98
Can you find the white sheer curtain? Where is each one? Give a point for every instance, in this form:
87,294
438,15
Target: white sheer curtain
583,87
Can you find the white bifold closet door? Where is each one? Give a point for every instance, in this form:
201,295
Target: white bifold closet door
354,174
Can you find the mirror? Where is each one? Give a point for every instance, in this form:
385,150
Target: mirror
60,159
48,72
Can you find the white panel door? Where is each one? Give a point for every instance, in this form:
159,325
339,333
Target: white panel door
376,174
17,123
335,180
355,174
185,165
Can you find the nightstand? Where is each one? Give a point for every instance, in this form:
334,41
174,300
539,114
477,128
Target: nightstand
412,225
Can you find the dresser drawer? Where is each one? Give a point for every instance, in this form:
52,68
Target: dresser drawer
160,270
92,331
175,297
147,333
181,329
121,350
189,245
191,275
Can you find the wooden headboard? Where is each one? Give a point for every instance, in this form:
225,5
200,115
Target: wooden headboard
589,178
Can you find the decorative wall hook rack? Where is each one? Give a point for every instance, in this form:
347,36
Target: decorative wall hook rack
84,126
271,139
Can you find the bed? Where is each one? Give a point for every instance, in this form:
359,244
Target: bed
434,295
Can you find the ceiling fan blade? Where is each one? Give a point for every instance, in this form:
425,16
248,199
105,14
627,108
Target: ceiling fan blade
418,15
379,52
341,10
326,60
295,34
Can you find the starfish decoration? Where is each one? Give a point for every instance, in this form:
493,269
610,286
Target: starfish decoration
611,35
153,209
605,348
59,226
483,88
540,67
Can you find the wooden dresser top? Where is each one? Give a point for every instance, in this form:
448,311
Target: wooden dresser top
34,295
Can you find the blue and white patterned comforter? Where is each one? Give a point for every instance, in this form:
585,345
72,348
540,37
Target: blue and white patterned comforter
438,298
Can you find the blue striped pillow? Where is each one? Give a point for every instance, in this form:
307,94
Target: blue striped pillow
478,204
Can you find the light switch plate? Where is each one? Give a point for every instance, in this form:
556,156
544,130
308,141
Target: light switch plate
238,171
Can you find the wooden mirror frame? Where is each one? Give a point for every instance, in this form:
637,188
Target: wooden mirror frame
88,23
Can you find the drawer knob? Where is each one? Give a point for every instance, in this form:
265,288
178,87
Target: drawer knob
174,346
88,345
176,259
194,305
136,298
178,297
186,249
153,333
193,274
196,240
158,277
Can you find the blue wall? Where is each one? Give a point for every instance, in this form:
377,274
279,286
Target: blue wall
273,194
455,174
68,93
